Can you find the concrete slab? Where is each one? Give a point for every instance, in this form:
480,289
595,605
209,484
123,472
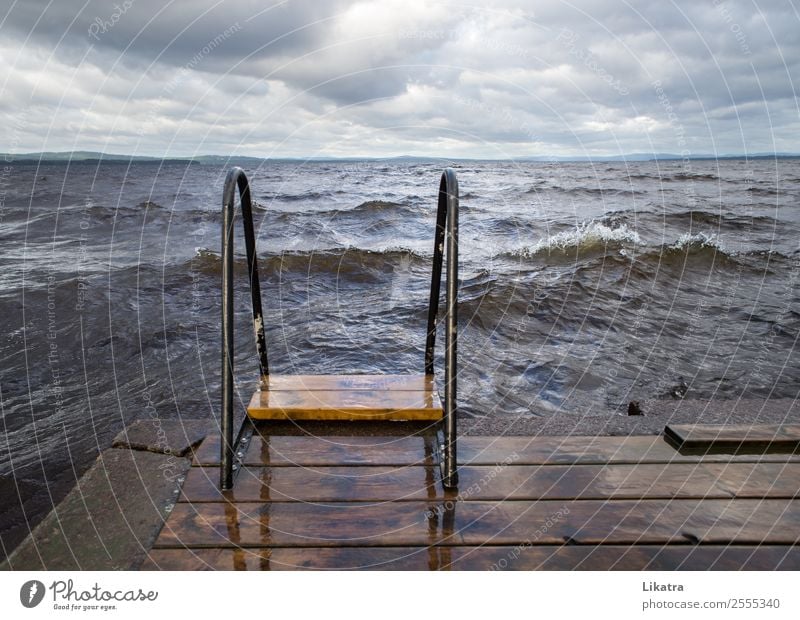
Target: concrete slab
177,437
110,519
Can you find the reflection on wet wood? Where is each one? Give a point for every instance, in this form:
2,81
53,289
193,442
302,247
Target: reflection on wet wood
584,557
734,438
337,501
380,483
346,397
207,453
347,450
739,521
305,383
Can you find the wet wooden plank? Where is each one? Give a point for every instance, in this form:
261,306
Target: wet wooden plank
379,483
336,450
312,451
414,383
761,480
549,557
324,484
576,449
744,438
738,521
208,452
357,404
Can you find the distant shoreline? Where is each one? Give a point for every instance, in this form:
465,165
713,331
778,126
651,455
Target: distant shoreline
84,157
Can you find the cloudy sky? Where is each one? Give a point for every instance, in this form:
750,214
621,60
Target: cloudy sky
391,77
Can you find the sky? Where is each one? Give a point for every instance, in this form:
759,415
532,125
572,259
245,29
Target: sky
314,78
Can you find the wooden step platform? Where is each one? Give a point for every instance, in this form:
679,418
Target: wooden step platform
735,439
346,397
601,503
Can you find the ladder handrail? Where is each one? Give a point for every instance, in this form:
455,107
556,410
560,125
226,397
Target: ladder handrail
237,178
446,227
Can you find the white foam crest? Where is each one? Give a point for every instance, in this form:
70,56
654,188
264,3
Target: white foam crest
697,240
584,236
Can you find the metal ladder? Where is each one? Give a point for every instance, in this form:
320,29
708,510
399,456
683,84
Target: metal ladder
446,234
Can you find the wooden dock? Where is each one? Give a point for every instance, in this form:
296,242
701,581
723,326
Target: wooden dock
596,503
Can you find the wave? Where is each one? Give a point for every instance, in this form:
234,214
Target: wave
328,260
696,241
691,176
586,191
586,237
308,195
714,219
376,206
678,176
762,191
476,286
706,248
149,204
364,208
489,299
618,242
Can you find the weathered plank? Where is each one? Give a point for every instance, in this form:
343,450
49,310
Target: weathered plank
208,452
761,480
574,557
338,450
380,483
739,438
738,521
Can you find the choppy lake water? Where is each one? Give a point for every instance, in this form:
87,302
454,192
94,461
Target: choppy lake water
584,286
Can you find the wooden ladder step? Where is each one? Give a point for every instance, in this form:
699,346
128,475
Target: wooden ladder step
346,397
734,438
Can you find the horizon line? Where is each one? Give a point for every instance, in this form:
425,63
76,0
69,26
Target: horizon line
79,155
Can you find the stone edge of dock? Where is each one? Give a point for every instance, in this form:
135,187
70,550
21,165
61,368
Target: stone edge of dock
111,518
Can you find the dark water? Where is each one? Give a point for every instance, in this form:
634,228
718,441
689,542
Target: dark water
582,286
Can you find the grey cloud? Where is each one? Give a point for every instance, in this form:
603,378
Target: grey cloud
526,77
173,31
